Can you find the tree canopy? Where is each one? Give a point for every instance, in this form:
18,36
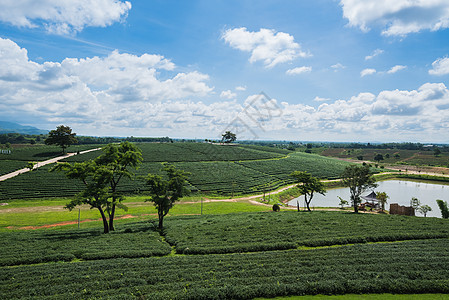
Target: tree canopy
96,189
308,185
228,137
358,179
382,197
166,191
118,161
61,136
101,178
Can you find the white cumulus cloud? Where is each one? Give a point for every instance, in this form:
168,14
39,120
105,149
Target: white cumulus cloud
240,88
319,99
374,54
396,69
398,17
63,16
228,94
365,72
299,70
265,45
337,66
98,91
440,67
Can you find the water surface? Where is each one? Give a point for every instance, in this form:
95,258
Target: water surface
399,191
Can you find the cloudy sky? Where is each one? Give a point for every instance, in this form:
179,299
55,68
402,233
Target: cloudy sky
322,70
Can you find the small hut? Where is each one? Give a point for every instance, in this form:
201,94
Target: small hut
370,200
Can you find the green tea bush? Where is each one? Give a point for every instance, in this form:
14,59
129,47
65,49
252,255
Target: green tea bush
328,271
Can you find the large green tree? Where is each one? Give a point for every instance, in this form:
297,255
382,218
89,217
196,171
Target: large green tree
101,178
308,185
165,191
96,189
358,179
228,137
61,136
119,161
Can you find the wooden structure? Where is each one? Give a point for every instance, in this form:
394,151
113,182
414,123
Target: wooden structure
396,209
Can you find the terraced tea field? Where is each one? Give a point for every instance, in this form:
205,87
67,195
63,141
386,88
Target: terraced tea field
135,262
215,169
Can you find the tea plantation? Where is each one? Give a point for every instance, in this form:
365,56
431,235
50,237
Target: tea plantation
137,263
215,169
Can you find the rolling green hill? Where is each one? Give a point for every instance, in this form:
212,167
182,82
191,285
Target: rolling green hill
215,169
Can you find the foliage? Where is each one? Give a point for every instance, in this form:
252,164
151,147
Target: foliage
30,165
8,166
117,163
32,247
95,192
216,169
165,192
308,185
39,152
276,207
343,202
61,136
436,151
358,179
424,209
228,137
443,208
330,271
223,233
415,203
382,197
378,157
101,178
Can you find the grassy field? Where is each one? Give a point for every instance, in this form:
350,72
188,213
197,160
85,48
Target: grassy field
136,262
41,213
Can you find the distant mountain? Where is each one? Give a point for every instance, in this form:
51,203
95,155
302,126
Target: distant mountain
8,127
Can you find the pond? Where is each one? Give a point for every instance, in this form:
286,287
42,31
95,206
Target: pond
399,191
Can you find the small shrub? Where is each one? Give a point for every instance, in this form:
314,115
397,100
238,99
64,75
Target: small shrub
276,207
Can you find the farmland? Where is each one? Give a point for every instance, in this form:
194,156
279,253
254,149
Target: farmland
412,262
233,250
392,156
215,170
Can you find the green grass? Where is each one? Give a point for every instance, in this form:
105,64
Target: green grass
22,213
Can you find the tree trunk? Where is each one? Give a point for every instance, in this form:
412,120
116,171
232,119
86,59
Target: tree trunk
307,202
105,221
111,218
297,204
161,220
356,205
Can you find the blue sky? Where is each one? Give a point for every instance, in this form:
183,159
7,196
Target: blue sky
323,70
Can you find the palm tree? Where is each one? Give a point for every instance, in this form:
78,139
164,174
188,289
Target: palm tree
382,197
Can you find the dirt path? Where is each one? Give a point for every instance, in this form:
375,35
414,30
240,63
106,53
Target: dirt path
66,223
42,163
